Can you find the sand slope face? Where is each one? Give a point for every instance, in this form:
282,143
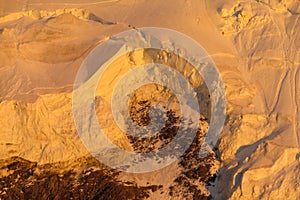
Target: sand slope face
41,51
255,45
261,149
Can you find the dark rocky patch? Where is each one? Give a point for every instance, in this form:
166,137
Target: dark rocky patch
195,170
140,114
27,180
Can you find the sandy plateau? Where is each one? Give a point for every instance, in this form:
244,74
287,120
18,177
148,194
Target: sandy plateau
255,45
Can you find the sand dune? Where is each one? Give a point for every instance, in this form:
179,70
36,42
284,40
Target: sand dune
255,45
